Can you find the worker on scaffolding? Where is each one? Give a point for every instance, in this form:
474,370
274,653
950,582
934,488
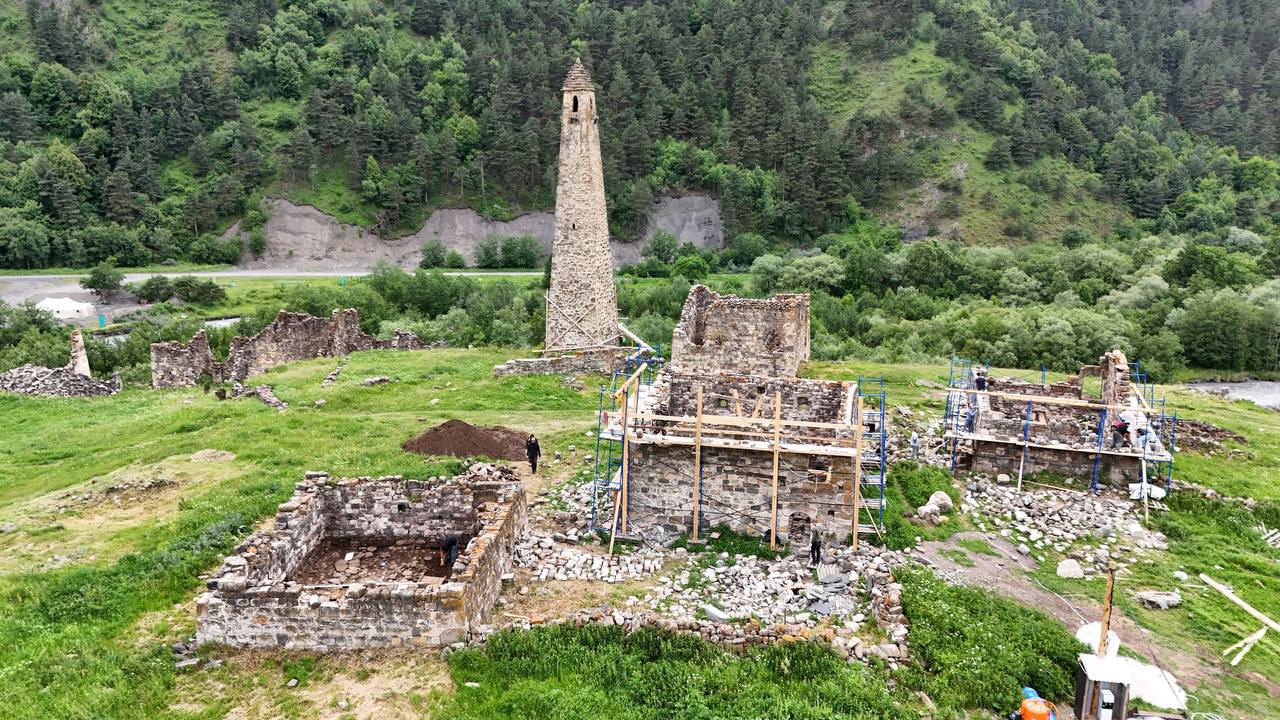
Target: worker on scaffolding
1120,433
980,380
971,419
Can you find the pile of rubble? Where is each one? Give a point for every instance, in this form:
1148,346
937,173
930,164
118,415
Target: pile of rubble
555,556
55,382
263,393
737,600
1057,520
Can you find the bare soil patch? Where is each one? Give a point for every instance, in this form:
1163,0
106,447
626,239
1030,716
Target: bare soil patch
462,439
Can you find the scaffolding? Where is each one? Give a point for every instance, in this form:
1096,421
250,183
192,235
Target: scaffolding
1150,443
626,419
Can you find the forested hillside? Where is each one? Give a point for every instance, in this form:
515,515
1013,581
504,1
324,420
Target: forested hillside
1124,149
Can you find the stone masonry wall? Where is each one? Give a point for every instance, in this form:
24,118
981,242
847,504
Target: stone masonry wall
807,400
603,361
582,304
251,602
995,457
737,490
289,337
746,336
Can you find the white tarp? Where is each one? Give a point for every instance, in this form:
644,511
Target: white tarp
1147,683
65,308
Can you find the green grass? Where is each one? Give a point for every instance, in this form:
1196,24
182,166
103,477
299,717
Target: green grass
977,546
844,85
977,650
147,36
730,541
594,672
958,556
909,487
66,640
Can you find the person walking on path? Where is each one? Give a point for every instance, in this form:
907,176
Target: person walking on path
534,452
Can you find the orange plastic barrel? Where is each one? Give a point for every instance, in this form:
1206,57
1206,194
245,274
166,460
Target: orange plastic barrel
1036,709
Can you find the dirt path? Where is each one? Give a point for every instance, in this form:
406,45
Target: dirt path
1006,573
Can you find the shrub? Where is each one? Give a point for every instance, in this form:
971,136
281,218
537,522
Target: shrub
520,251
488,253
157,288
692,267
104,279
198,291
454,260
433,254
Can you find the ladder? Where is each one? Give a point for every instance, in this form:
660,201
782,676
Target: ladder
872,444
959,403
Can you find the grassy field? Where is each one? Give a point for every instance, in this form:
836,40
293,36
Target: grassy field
93,591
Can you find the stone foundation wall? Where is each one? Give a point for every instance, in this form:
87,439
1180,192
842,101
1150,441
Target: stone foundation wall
252,603
736,490
717,333
603,361
291,336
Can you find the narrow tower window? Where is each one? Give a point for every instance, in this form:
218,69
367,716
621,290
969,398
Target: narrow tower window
575,103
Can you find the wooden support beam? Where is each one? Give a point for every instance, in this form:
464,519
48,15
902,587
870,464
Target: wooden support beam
626,457
613,524
697,467
777,450
737,403
1226,592
1044,399
857,468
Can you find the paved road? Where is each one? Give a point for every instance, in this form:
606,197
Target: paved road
15,289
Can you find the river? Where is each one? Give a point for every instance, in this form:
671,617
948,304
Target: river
1261,392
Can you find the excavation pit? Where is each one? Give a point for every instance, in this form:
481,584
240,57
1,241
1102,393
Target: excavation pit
350,560
369,562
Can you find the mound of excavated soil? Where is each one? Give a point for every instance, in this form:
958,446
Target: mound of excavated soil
460,439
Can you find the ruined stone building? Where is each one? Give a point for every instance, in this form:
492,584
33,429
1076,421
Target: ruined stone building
290,337
582,306
1022,427
362,562
728,435
71,380
747,336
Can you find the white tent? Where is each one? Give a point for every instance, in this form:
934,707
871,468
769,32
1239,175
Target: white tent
67,309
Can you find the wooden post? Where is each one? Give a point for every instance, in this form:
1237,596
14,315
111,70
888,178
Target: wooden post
626,452
777,450
1106,610
1026,444
737,403
1146,505
857,467
697,466
613,524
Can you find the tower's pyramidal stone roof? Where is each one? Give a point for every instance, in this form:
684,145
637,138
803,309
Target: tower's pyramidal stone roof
578,78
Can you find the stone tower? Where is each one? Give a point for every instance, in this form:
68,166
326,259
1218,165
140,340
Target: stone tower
582,305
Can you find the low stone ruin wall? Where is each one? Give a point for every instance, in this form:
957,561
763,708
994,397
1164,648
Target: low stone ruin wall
997,457
70,380
603,361
251,601
291,336
768,337
737,491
